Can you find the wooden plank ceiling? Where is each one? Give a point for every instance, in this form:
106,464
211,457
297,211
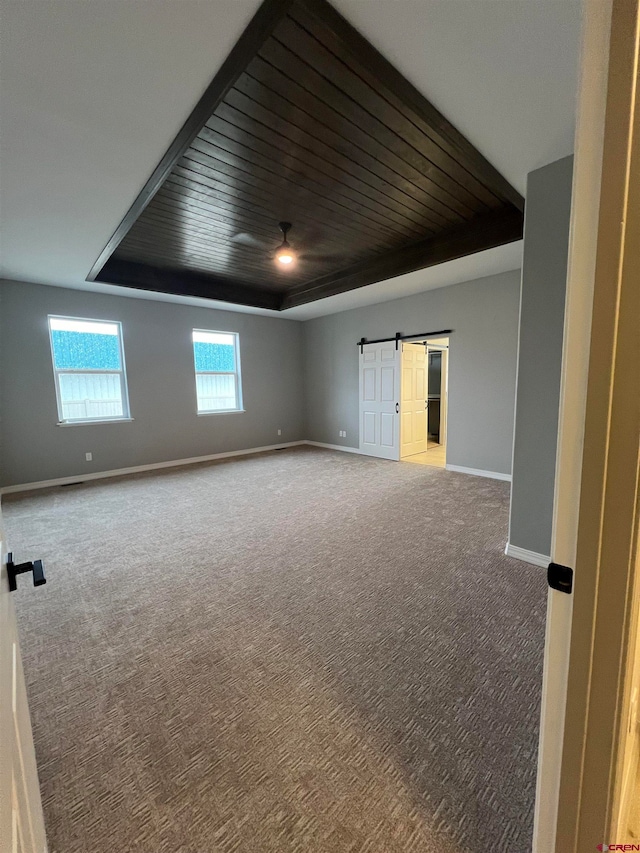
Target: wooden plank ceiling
307,123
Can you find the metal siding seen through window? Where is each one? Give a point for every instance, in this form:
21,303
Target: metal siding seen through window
217,367
88,364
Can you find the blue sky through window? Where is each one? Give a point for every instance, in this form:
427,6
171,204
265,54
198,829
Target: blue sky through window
85,350
214,352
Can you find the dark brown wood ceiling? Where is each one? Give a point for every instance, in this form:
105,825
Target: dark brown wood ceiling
307,123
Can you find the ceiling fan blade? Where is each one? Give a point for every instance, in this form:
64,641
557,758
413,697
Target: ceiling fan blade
322,257
271,251
248,240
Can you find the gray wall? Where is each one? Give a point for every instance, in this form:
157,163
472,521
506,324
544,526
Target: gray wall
482,365
544,277
159,362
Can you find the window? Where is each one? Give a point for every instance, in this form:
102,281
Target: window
217,361
88,363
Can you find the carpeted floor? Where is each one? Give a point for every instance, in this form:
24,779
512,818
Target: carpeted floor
298,652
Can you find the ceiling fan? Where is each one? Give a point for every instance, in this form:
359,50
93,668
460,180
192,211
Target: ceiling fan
285,255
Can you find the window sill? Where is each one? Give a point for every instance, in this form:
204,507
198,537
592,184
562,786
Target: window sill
221,412
97,421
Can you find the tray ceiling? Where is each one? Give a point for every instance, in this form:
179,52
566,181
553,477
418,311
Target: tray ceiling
307,123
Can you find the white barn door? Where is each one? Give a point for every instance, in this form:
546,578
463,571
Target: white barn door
21,818
380,400
413,411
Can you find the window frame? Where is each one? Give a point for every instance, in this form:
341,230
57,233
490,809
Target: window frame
237,374
124,392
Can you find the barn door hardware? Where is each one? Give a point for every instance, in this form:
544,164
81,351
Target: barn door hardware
14,570
399,337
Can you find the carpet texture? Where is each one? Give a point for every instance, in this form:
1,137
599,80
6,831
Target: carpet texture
298,651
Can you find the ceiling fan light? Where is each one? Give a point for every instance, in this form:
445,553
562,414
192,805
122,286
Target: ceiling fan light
285,256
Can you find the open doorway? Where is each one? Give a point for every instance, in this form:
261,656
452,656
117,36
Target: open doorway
423,402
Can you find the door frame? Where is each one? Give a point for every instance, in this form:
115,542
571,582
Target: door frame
444,387
596,495
444,390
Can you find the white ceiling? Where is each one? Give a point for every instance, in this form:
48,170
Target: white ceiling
94,91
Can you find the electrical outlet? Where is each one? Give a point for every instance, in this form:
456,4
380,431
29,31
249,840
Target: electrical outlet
344,433
279,432
88,456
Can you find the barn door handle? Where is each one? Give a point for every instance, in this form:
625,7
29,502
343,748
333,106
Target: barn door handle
397,408
14,570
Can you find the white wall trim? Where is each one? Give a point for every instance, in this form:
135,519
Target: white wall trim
334,447
136,469
193,460
527,556
477,472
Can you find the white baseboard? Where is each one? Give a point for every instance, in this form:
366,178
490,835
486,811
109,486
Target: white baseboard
137,469
527,556
192,460
332,446
477,472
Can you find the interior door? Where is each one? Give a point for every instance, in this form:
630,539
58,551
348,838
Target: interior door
21,818
584,709
380,400
413,416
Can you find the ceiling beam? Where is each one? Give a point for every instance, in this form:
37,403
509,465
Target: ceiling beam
187,283
486,232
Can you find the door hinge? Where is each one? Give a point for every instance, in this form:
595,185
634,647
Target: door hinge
560,577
